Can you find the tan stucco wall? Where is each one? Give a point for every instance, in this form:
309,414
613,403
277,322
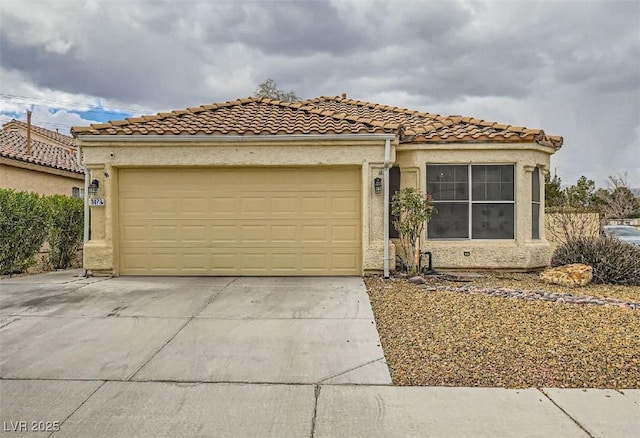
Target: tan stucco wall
104,160
24,179
561,226
520,253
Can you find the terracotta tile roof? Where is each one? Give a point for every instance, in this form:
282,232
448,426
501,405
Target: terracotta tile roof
14,146
62,139
250,116
421,127
324,115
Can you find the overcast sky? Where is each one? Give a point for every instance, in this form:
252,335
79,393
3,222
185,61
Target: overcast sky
571,68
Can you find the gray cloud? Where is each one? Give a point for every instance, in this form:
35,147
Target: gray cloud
570,67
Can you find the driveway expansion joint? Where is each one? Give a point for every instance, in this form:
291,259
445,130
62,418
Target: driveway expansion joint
566,413
79,406
350,369
316,393
191,318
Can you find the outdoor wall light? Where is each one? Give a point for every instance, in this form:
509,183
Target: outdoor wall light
377,185
93,187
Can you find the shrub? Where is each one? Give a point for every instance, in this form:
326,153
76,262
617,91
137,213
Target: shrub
613,261
65,230
412,210
23,229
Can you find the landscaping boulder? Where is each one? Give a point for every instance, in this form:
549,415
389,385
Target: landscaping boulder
417,280
572,275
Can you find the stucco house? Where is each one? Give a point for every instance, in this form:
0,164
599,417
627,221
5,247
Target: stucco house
263,187
41,161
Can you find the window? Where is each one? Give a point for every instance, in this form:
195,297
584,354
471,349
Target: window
77,192
535,204
472,201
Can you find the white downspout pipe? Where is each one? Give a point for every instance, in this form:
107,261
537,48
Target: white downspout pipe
85,235
387,164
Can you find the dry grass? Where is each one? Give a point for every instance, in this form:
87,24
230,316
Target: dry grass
455,339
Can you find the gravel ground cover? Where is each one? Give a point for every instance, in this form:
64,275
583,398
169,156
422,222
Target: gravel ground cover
437,337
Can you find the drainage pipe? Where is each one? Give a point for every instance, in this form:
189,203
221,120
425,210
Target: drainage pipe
387,164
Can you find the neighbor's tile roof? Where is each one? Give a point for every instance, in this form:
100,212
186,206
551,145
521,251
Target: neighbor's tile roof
251,116
14,146
53,135
324,115
422,127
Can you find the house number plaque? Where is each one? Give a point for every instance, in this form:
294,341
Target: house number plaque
96,202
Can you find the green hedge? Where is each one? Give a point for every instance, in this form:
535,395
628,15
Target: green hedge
27,220
65,230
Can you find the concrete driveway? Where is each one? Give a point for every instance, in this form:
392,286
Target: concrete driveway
297,357
190,329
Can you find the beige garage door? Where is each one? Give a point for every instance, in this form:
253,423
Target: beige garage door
240,221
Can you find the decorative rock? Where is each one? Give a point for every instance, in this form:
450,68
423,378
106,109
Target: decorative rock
572,275
552,297
417,280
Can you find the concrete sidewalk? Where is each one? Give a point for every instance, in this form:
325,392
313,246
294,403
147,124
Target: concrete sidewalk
201,356
171,409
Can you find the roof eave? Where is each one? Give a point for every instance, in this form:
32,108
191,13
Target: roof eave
229,138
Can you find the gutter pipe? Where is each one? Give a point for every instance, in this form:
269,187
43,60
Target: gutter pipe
387,164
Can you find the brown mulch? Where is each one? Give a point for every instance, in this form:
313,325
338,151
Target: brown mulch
439,338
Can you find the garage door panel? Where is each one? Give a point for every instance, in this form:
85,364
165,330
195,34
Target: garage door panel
240,221
349,234
345,205
254,234
284,234
315,234
223,233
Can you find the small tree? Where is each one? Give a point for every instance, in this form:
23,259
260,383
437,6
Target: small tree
581,194
412,209
269,89
619,202
553,193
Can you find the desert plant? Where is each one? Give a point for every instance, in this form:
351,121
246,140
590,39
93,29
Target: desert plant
65,230
23,229
613,261
412,210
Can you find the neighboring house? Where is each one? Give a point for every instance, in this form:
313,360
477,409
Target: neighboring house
263,187
48,165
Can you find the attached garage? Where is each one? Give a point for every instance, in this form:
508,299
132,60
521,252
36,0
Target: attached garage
240,221
263,187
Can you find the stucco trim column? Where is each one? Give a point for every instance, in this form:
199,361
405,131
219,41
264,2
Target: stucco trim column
544,171
523,203
98,251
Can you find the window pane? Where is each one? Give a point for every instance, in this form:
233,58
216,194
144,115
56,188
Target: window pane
447,182
492,183
506,173
535,221
492,221
450,221
506,192
535,185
